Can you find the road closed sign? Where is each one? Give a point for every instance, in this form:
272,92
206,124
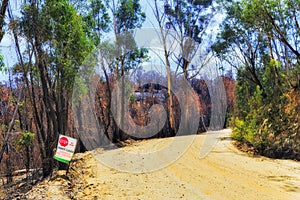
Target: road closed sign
65,148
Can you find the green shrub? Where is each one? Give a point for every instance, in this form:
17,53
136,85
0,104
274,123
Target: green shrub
238,130
245,131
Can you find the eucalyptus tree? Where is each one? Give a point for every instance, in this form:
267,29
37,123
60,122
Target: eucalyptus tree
127,16
181,23
188,20
56,45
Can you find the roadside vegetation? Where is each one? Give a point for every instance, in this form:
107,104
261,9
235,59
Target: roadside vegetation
260,39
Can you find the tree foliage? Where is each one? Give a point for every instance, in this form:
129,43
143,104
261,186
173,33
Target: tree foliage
189,20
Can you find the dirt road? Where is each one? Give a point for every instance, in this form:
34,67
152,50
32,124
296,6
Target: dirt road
225,173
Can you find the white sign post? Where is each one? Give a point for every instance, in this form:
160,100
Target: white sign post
65,148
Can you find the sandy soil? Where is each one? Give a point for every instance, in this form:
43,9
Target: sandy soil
225,173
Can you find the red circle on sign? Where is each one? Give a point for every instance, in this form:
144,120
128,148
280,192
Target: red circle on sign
63,141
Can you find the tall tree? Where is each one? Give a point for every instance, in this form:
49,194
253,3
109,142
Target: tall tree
55,35
127,17
188,20
164,35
